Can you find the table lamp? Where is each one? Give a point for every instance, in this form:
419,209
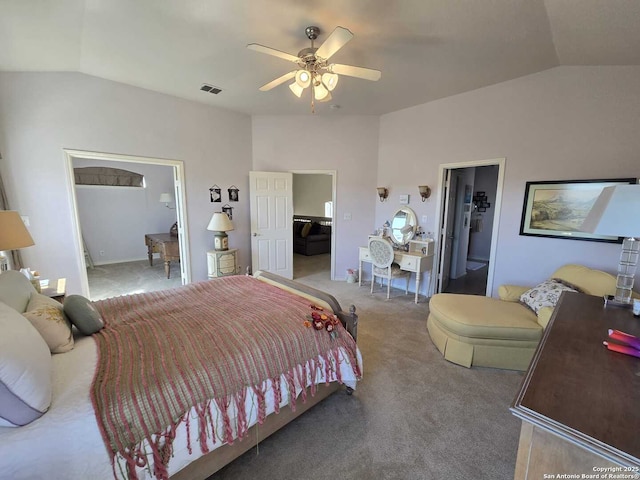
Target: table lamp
616,213
219,225
13,234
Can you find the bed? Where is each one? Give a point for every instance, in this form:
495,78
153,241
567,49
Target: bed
71,440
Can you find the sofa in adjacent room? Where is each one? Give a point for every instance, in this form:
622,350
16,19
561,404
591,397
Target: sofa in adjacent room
311,235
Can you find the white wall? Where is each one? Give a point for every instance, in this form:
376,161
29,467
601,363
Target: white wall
563,123
310,192
480,242
347,144
42,113
114,220
460,245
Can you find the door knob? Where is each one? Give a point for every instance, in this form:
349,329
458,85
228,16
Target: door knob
256,234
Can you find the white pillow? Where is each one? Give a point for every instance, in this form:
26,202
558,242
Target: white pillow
25,370
47,315
546,294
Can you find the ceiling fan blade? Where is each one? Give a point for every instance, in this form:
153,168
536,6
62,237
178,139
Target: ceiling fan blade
272,51
360,72
334,42
277,81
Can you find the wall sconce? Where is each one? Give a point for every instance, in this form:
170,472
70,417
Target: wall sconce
425,192
166,199
383,193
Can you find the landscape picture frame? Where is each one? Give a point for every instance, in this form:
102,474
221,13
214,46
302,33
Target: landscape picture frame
557,208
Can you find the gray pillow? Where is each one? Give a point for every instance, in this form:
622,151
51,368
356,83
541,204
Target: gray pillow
83,314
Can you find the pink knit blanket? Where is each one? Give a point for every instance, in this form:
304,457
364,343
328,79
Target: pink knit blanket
202,345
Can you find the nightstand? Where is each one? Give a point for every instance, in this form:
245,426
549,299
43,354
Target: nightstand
56,289
221,263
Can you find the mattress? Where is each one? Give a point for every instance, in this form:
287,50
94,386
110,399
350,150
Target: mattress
66,443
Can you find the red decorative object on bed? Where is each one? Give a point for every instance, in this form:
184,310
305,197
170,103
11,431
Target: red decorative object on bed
163,356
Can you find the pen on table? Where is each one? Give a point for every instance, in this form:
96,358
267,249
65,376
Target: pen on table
625,338
614,347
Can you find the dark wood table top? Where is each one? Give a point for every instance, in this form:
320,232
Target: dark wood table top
162,237
577,388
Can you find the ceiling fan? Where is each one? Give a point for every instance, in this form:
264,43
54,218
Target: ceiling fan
314,69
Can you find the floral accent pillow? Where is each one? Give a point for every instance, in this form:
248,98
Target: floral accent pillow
48,317
546,294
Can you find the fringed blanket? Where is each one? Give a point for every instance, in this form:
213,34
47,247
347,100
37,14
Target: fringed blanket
163,353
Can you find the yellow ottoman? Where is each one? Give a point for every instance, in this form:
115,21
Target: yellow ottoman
483,331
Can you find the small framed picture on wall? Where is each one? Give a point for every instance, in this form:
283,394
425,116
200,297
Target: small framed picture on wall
215,194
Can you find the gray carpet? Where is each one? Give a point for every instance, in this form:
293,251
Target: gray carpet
131,277
413,416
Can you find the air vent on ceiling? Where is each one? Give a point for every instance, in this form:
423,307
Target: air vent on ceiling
210,88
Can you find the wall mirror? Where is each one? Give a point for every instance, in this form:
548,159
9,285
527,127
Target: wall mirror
403,226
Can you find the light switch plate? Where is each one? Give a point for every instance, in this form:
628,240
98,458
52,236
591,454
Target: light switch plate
424,219
346,216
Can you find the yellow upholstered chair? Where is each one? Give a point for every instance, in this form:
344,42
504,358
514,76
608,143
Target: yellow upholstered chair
502,333
382,264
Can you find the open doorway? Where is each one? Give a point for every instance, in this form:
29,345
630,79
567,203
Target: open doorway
468,209
112,222
313,225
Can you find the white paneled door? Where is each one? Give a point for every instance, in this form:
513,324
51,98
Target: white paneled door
271,203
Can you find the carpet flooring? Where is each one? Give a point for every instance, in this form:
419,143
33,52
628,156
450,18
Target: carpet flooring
413,415
117,279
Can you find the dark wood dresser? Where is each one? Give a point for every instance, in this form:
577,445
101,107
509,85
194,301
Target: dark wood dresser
579,402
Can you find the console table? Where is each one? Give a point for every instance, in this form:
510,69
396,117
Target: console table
418,259
579,402
166,245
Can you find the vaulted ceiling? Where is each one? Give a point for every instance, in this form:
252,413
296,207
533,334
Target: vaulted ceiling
426,49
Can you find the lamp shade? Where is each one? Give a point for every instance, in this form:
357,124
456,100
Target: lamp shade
165,198
320,92
616,212
220,223
303,78
330,80
296,89
13,233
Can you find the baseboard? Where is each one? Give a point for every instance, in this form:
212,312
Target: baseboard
478,259
124,260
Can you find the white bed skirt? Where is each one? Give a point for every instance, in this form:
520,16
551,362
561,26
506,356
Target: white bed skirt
66,442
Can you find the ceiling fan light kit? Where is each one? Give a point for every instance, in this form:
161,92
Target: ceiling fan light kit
314,69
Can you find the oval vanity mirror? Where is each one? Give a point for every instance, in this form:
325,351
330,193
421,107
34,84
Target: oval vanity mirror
403,226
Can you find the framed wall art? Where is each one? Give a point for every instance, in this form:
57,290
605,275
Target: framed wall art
228,209
557,208
233,193
215,194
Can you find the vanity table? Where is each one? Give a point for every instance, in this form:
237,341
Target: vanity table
412,255
412,261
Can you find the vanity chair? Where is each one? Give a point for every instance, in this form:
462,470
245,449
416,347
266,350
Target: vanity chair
382,264
410,256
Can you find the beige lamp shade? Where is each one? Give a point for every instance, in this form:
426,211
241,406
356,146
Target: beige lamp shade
616,212
220,223
13,233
